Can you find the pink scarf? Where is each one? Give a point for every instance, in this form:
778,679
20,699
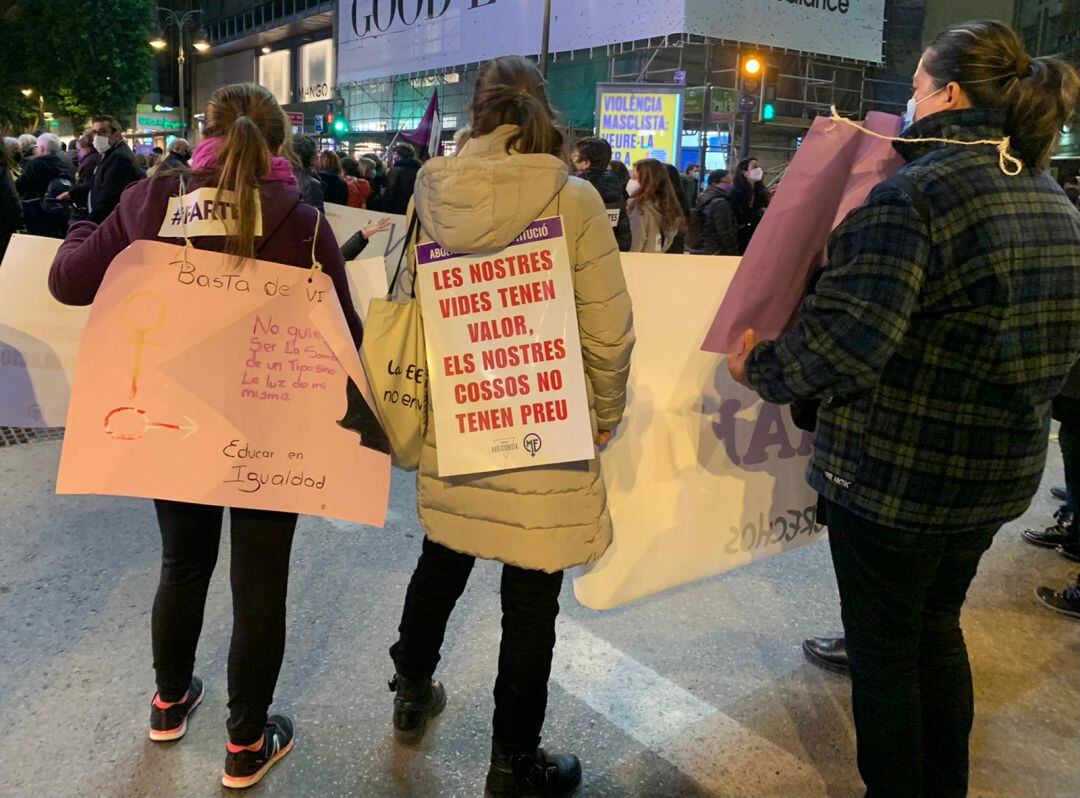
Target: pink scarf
206,156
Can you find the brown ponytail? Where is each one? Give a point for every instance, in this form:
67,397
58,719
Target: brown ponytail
252,124
988,61
510,91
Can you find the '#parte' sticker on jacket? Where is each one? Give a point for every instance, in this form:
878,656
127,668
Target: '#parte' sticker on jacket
205,212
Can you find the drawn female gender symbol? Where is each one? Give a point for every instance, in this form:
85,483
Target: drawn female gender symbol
142,313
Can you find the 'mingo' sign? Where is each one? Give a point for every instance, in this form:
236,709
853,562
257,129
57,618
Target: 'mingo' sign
382,14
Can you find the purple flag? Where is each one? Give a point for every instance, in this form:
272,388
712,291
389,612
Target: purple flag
429,134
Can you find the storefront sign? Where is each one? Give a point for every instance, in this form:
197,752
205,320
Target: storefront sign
156,118
316,71
640,120
377,38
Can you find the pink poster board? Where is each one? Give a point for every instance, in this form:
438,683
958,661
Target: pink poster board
832,174
202,382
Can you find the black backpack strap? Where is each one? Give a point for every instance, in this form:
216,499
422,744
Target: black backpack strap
907,185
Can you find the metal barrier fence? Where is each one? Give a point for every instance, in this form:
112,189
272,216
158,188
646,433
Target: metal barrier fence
12,436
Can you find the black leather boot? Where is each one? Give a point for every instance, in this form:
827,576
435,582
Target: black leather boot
523,773
1070,551
416,701
1061,533
828,653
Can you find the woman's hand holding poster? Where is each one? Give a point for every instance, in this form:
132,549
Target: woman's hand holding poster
202,382
507,379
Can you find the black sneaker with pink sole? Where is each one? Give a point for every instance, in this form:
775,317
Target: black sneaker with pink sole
170,723
246,768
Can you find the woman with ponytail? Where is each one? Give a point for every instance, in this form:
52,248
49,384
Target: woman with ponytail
939,333
241,157
536,521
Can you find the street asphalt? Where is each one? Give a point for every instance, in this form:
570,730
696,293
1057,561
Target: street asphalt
701,691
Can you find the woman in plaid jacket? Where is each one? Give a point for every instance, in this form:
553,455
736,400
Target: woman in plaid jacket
936,341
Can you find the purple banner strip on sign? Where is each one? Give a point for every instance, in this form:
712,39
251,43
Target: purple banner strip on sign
540,230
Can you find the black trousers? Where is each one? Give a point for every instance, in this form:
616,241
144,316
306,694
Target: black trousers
1069,439
912,695
530,604
259,572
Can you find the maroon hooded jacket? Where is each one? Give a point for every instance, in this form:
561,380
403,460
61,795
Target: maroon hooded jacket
287,224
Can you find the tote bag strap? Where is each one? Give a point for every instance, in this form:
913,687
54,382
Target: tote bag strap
414,225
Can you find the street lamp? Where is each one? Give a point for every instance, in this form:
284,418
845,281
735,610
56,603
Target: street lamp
28,93
157,41
157,38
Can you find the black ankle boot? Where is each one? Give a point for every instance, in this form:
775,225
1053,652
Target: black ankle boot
518,772
416,701
1062,533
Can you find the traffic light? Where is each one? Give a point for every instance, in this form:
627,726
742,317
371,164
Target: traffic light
340,125
750,83
770,77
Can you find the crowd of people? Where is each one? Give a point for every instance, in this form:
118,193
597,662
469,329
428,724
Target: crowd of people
935,344
46,184
661,210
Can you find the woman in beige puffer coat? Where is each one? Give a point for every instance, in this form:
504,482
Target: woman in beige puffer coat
537,521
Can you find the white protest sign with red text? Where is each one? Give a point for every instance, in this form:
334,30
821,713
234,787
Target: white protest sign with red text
199,381
506,374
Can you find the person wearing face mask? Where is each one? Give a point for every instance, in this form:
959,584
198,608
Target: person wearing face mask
940,331
116,171
748,199
656,215
177,158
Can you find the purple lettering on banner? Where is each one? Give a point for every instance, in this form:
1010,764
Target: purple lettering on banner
540,230
768,431
724,429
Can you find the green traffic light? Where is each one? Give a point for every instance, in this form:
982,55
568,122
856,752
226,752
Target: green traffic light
339,126
768,112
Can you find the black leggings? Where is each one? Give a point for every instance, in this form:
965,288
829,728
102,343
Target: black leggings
259,572
530,603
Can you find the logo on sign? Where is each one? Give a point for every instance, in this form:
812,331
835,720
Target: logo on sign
382,14
316,91
532,443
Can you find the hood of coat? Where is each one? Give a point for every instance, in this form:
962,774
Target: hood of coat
485,197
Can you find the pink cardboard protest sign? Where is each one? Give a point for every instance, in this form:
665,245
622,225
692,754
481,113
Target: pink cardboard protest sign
202,382
832,174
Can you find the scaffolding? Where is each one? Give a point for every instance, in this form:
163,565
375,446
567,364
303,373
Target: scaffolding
808,85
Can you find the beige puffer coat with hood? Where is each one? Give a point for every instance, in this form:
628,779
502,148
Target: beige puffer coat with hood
552,517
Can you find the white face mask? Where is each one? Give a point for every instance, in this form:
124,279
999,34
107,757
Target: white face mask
102,144
633,187
755,175
913,104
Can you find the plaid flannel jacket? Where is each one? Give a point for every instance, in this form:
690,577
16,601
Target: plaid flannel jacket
936,352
